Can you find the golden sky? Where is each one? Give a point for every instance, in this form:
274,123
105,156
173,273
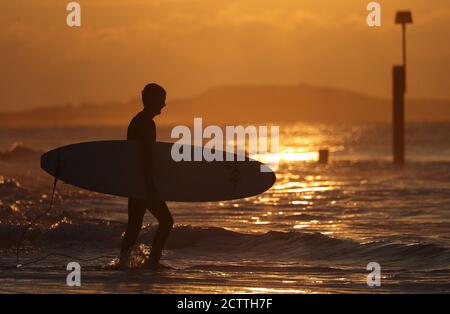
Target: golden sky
190,45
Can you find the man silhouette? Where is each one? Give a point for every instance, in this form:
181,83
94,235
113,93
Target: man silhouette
142,128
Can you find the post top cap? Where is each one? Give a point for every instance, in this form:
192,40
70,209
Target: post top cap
403,17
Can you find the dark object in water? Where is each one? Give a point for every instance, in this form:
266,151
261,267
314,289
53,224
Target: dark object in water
323,156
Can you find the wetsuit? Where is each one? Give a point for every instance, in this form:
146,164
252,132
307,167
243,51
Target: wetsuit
142,128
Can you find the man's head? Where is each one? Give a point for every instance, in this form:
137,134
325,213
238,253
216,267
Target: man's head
153,98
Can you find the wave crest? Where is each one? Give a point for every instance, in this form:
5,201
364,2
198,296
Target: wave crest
218,242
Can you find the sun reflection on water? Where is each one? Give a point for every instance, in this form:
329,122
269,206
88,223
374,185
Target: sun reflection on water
274,290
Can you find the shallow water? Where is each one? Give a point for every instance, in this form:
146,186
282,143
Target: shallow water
314,231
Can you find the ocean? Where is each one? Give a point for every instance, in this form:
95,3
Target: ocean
315,231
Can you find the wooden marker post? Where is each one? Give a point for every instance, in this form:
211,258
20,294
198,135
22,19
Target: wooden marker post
398,114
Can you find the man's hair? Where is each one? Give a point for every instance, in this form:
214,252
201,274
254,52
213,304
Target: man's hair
152,93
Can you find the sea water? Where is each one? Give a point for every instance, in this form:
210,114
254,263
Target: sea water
316,230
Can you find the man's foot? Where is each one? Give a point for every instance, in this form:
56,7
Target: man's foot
124,260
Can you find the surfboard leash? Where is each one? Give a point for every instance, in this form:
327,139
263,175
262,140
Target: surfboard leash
33,222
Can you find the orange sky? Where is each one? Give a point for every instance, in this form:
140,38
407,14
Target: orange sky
190,45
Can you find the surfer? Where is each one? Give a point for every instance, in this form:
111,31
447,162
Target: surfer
142,128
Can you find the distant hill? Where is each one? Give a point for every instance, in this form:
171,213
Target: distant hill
240,104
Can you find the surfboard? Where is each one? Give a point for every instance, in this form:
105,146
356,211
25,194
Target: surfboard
116,168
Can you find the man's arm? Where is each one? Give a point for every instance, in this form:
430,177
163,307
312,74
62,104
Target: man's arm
147,158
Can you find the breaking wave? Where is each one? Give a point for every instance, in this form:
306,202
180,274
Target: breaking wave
218,242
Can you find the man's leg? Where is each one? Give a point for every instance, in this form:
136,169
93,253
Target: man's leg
165,220
136,211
